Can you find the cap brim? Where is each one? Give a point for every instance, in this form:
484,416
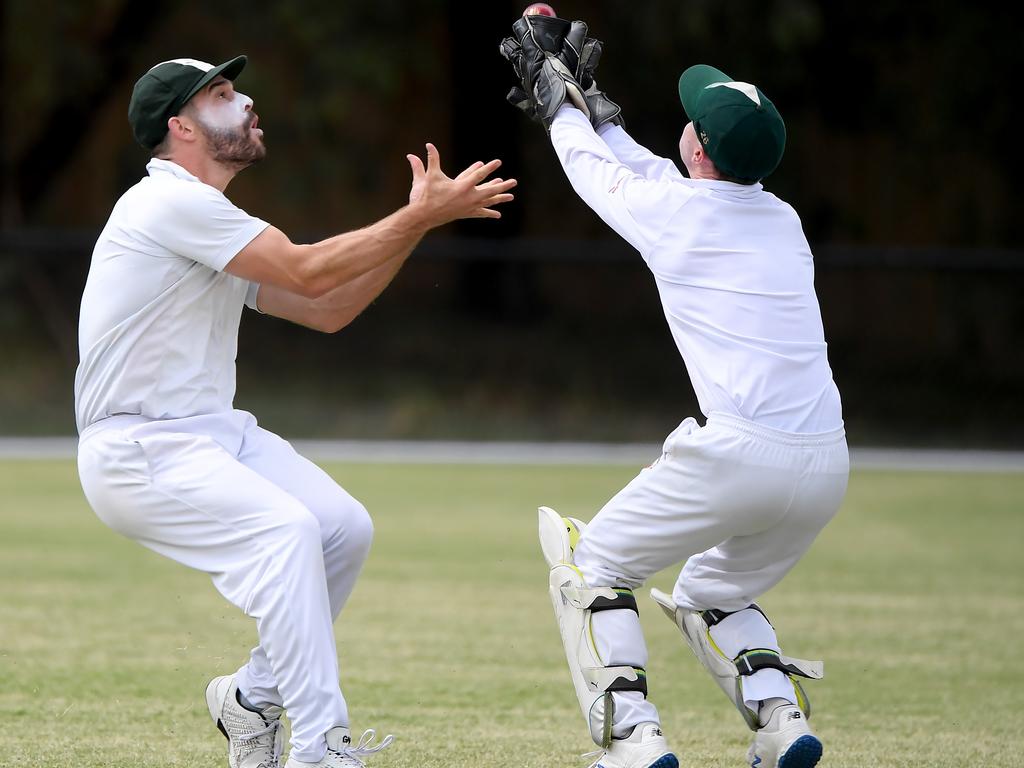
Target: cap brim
696,79
229,69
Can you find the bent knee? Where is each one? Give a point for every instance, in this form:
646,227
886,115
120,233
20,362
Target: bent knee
299,527
346,524
357,527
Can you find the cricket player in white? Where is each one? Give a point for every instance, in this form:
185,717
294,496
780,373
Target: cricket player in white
166,460
741,498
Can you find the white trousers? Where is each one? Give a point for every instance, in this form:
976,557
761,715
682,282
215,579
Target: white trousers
740,504
280,539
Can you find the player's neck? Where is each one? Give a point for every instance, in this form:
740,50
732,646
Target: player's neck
205,168
701,171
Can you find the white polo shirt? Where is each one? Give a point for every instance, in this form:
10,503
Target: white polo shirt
158,331
733,269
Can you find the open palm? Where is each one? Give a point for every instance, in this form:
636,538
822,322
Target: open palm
468,195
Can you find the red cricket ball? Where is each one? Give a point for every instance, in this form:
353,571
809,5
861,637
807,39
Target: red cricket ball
540,9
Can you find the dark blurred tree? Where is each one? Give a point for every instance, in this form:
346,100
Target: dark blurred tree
61,94
485,126
65,98
900,115
902,120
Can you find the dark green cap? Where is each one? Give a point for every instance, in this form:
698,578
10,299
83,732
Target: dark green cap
739,128
161,93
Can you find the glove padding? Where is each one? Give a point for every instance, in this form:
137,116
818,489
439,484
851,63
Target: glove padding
602,109
517,97
545,53
568,43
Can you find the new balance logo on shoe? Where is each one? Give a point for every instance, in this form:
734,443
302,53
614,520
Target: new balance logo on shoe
786,741
656,732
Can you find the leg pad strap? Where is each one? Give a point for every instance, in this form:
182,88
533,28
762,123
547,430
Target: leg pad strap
726,672
601,599
616,679
756,659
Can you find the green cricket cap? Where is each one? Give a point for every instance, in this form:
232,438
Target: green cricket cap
738,126
161,93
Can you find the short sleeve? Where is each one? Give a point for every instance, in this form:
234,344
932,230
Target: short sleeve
194,220
250,296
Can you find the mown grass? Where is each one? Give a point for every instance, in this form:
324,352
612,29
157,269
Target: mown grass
914,596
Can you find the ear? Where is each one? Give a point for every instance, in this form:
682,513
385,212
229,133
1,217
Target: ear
698,154
181,128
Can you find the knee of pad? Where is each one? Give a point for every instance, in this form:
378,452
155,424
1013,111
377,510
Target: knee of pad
558,536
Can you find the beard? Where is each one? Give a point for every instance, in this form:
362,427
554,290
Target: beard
233,147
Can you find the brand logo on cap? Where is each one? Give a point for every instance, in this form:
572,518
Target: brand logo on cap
745,88
200,65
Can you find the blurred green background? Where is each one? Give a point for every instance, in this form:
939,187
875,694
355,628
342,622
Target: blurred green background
903,160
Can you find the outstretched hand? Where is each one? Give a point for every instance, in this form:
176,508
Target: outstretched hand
470,195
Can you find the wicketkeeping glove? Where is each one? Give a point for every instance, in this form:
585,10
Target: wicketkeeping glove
517,97
602,109
544,53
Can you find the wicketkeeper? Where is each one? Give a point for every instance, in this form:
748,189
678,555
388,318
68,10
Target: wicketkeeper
741,498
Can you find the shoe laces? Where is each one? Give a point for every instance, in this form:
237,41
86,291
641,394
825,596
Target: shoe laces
365,746
252,741
594,756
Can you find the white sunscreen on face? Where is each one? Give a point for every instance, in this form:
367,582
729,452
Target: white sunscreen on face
226,113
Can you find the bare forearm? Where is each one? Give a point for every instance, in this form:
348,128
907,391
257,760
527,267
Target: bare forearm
339,307
311,271
333,265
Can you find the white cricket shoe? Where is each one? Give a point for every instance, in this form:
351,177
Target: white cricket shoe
255,739
644,748
341,753
785,741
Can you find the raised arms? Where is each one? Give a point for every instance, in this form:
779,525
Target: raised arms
324,285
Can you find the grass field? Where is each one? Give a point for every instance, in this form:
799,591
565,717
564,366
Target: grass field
914,596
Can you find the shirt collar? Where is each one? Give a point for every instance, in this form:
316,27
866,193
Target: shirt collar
157,166
742,190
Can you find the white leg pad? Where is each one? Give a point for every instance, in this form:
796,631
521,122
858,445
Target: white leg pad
574,603
727,672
